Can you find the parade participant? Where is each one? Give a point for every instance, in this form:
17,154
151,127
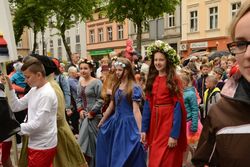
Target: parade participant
41,102
89,104
194,126
68,150
118,142
226,133
164,114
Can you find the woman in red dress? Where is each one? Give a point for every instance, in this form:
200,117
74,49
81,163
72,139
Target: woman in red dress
164,115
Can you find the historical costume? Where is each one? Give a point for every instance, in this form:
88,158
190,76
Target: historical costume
89,100
167,118
118,142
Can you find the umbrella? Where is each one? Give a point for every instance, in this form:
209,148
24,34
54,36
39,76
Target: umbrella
213,55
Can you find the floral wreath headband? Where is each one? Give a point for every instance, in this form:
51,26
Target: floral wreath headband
121,64
163,47
90,62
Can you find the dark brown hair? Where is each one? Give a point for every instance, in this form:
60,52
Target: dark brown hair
172,82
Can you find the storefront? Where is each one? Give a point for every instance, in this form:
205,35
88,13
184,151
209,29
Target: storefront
203,45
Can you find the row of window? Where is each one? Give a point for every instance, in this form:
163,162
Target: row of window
109,33
213,17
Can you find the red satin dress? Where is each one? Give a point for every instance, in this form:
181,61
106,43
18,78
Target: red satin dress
161,121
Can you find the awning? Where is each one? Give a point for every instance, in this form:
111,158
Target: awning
100,52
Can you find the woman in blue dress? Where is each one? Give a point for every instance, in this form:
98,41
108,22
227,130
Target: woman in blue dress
118,140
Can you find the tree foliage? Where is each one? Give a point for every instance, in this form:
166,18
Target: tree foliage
30,14
35,14
68,13
138,11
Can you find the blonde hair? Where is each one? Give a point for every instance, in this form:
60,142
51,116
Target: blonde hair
245,8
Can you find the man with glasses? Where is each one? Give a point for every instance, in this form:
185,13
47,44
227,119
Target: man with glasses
226,133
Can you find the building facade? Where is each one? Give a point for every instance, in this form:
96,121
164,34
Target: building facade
53,44
166,28
23,48
205,25
104,36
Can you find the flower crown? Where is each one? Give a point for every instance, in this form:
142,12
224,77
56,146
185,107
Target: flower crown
114,58
90,62
164,48
118,63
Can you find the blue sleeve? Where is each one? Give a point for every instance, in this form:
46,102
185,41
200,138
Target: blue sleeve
176,128
137,94
13,78
145,116
194,111
66,91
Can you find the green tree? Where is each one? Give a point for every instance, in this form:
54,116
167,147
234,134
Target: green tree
30,14
138,11
68,13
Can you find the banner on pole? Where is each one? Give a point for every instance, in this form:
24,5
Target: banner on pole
7,41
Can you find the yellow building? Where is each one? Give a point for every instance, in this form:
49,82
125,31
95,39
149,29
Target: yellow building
23,46
104,36
205,24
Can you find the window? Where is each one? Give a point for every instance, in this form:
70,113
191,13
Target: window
77,38
193,21
213,17
110,34
171,20
59,53
51,43
146,26
19,44
135,28
78,48
120,31
235,7
91,36
100,34
59,42
68,40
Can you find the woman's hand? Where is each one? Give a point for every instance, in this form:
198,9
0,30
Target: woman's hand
81,113
172,142
100,123
143,138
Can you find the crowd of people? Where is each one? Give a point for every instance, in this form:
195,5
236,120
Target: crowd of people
151,111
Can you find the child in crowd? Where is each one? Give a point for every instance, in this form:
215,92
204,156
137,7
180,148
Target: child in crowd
40,125
118,142
194,126
211,95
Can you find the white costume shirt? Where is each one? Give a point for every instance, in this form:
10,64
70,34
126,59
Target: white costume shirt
41,122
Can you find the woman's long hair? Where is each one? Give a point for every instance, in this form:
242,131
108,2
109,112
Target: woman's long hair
130,78
172,82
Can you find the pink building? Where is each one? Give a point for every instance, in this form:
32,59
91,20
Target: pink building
104,36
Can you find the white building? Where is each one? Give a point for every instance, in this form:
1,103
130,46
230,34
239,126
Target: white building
54,47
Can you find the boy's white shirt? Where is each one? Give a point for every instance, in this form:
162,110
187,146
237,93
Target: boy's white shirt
41,123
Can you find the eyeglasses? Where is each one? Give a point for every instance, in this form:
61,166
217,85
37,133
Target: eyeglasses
238,47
